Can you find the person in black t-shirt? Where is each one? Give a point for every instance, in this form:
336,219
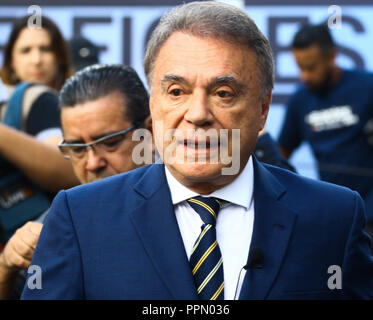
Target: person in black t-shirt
333,111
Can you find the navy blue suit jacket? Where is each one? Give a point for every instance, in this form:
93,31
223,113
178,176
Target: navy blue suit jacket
118,238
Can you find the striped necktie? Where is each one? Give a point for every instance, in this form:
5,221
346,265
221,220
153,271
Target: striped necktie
206,261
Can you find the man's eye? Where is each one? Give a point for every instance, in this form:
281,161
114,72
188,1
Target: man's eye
112,142
176,92
308,68
78,150
224,94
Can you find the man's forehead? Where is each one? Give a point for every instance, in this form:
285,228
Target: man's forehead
93,119
105,106
312,52
209,57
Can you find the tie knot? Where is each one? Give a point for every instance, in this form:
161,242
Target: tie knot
206,207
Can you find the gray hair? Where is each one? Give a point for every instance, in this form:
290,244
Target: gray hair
215,20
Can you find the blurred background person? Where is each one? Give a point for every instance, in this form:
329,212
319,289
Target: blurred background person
331,110
30,125
83,52
38,55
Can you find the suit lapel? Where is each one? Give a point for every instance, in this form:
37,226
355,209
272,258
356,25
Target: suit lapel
156,224
273,225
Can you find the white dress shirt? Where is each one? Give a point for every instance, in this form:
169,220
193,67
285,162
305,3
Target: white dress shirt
234,224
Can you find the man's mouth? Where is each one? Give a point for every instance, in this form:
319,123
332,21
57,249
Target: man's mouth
200,144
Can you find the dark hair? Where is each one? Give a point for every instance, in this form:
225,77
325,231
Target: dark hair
99,80
58,45
313,35
83,52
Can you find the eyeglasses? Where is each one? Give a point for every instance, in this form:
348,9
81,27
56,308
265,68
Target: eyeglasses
108,143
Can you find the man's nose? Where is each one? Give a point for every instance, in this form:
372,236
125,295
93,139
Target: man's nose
94,160
199,112
305,76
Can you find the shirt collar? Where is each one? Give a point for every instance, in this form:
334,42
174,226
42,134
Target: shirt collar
239,191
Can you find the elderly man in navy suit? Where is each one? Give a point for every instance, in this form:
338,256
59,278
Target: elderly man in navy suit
210,222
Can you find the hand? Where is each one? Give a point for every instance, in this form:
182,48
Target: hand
20,248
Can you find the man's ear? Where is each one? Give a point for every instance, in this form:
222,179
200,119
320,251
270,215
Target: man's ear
148,125
266,102
332,56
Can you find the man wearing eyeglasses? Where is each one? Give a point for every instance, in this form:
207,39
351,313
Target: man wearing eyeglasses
100,108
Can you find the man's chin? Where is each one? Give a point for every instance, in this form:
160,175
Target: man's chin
313,87
196,171
201,178
96,178
321,86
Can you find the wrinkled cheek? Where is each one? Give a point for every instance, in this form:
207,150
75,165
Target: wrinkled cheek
81,173
158,135
165,129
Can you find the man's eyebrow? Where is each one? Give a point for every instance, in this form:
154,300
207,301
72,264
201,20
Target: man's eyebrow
93,138
172,78
103,135
215,82
229,80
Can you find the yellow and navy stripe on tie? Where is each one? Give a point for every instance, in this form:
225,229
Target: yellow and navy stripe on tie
206,261
204,205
